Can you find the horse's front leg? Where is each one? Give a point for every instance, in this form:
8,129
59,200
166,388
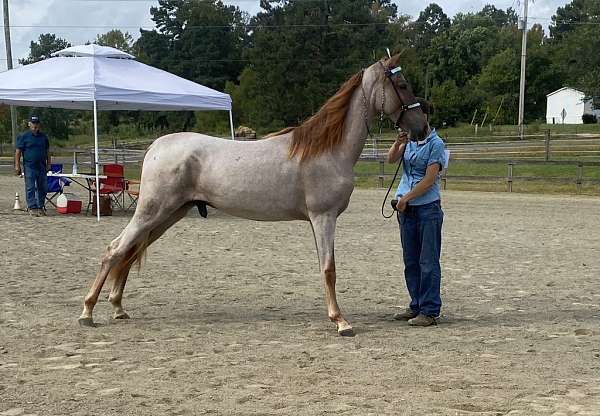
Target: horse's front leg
323,226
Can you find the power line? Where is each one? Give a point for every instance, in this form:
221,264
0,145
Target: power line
256,26
251,26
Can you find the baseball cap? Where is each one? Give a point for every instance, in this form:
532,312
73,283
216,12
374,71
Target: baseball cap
34,119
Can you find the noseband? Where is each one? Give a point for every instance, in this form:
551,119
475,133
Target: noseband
389,74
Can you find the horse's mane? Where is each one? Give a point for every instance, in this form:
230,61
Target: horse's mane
323,131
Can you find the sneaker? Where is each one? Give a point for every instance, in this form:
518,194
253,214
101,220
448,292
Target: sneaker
407,314
422,320
43,212
33,212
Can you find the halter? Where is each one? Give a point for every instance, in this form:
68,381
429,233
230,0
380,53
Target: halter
389,74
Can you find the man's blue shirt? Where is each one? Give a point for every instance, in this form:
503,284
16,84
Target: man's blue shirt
417,157
34,147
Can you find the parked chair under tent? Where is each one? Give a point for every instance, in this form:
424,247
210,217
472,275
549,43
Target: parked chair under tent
113,186
55,184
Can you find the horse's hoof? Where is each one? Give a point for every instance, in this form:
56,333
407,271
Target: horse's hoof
122,315
89,322
346,331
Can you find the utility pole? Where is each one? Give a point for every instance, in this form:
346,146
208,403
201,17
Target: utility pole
9,64
523,23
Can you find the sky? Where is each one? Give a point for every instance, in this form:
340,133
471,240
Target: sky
79,21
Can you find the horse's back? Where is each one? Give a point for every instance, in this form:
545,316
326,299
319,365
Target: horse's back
238,177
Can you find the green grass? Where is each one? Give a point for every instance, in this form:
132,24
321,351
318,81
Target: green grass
466,168
457,133
367,176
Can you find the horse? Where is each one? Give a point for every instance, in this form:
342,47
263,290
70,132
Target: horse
300,173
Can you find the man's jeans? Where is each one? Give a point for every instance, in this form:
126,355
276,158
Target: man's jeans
421,235
36,185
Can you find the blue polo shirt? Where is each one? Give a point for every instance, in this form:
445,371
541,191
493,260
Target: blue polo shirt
34,147
417,157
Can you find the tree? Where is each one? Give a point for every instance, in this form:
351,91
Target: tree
47,44
431,22
116,39
575,49
302,51
499,17
200,41
448,100
566,19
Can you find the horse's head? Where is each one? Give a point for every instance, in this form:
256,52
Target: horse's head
393,94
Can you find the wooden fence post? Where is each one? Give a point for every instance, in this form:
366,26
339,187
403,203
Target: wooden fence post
547,146
509,179
579,180
381,172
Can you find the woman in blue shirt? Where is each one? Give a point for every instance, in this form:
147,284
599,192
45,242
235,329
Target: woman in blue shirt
420,217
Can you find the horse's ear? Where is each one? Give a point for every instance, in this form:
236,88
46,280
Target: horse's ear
394,61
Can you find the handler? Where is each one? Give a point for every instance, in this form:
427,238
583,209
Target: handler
33,145
420,218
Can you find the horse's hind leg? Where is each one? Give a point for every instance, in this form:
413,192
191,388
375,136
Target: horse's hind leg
116,293
115,253
122,271
324,231
134,237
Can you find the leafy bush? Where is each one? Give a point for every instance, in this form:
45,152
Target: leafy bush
589,119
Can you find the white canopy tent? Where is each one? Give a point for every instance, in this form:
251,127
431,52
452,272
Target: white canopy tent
92,77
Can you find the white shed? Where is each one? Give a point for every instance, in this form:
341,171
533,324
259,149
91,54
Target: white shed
567,106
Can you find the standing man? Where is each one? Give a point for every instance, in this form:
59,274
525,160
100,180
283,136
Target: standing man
33,145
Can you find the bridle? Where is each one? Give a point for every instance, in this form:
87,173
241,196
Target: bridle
389,74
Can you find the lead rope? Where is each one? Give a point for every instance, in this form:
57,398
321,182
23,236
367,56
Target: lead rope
390,187
401,157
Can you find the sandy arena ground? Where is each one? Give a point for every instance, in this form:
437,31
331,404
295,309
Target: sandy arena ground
228,316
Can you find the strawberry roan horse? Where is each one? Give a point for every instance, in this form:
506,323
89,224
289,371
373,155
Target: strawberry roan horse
303,173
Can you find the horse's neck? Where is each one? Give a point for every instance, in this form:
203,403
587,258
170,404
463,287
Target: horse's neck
355,128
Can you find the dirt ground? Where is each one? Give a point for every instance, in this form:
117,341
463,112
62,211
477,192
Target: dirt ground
228,316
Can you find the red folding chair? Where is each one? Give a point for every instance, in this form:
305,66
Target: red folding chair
114,184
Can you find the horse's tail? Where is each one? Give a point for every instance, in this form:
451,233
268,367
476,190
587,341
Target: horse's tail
139,254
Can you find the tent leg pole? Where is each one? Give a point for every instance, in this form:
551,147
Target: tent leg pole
231,124
97,165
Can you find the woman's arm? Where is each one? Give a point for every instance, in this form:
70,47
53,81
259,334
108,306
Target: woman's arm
421,187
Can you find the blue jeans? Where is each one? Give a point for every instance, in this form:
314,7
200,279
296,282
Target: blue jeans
421,236
36,185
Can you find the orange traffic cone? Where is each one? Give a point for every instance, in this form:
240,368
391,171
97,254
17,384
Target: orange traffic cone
17,206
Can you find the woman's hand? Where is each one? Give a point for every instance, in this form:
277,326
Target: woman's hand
402,137
397,149
401,205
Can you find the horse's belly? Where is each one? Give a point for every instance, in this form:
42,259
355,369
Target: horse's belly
263,215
